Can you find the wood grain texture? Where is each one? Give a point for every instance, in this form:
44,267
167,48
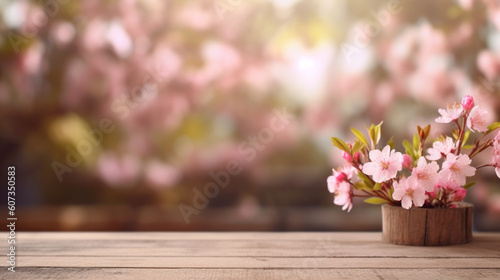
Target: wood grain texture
239,274
427,227
245,255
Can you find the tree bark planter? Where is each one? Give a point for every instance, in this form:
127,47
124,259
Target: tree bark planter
427,226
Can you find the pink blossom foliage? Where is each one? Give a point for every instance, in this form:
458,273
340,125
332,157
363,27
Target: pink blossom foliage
496,154
450,114
477,120
384,164
440,148
409,192
426,174
457,168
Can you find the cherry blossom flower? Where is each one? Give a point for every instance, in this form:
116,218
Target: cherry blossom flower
336,181
468,102
495,161
339,183
407,190
456,168
477,120
345,174
444,183
450,114
440,148
426,173
384,164
343,197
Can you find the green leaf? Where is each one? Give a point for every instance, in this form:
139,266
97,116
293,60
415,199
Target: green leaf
427,130
378,132
371,134
467,147
466,137
416,142
469,185
391,143
375,200
365,179
390,191
360,136
357,147
409,149
375,133
492,127
361,186
377,187
340,144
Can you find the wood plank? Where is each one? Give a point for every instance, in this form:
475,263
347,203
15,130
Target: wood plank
254,262
340,236
319,274
242,244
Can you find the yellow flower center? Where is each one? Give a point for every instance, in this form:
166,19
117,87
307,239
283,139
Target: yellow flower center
409,192
385,165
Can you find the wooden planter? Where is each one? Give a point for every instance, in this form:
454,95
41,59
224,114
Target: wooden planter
427,226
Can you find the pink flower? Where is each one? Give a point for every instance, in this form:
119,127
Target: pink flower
340,177
384,164
440,148
444,183
450,114
407,190
495,160
335,181
477,119
343,197
426,174
456,168
339,185
496,163
468,102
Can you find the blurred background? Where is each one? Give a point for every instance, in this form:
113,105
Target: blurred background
217,114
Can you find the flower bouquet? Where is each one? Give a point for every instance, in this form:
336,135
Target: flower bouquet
432,178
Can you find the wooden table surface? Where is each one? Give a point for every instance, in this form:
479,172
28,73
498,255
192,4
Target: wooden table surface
244,255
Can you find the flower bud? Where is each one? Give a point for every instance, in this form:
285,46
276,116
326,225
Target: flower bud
356,156
407,162
459,194
468,102
346,156
432,195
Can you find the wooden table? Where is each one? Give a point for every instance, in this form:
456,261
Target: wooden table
244,255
